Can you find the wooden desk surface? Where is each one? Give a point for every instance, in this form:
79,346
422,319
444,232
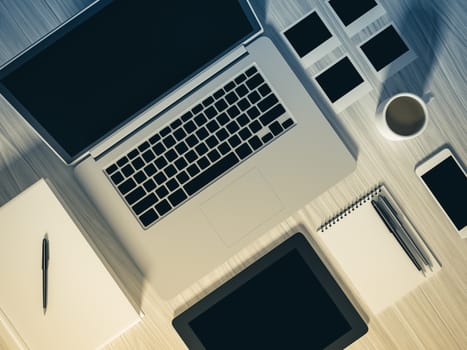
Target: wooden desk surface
432,317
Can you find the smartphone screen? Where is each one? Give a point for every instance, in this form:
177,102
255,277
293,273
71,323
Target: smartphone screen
448,184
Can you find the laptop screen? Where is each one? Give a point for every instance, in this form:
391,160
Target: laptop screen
115,63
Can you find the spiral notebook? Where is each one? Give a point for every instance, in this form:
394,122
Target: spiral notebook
369,256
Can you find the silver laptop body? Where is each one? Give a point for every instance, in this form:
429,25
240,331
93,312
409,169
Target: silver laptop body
259,187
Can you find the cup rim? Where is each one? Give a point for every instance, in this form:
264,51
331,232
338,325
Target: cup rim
420,102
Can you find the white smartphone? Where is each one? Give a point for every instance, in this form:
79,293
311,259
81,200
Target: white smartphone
445,178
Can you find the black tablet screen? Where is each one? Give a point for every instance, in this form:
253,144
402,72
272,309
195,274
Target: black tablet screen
282,307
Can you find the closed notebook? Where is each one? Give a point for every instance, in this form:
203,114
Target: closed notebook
370,257
86,308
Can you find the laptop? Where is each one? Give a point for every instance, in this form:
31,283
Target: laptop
184,124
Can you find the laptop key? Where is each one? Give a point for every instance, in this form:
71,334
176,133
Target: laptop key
122,161
181,148
150,169
140,177
245,133
251,71
177,197
211,173
254,81
264,90
254,97
187,116
154,139
253,112
180,163
175,124
133,154
201,149
213,155
213,126
169,141
149,217
182,177
243,104
241,91
211,141
221,105
272,115
202,133
210,112
193,170
117,178
241,78
268,102
172,185
207,101
143,146
191,140
288,123
231,97
127,170
138,163
200,119
145,203
160,178
189,127
191,156
233,111
222,134
196,109
255,126
203,163
135,195
158,148
224,148
229,86
149,185
179,134
160,162
223,119
276,128
165,131
234,141
111,169
232,126
162,191
127,186
255,142
243,120
218,94
163,207
171,155
268,137
243,151
170,171
148,156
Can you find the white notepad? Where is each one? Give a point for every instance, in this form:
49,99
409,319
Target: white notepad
370,256
86,308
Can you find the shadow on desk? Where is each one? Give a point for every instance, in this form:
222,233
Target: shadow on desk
18,171
260,8
422,25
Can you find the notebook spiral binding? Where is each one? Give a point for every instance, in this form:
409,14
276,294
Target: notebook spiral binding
347,210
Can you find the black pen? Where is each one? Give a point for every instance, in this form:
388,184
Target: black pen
401,225
391,229
45,265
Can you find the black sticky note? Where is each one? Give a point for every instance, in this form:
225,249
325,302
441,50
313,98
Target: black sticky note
348,11
339,79
384,48
308,34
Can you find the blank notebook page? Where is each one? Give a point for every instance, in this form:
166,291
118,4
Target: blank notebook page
86,308
371,258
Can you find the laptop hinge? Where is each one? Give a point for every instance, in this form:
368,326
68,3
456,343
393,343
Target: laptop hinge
153,111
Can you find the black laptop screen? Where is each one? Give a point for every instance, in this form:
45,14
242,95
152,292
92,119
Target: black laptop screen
118,61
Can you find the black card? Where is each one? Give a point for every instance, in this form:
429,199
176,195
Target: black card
339,79
384,48
350,10
307,34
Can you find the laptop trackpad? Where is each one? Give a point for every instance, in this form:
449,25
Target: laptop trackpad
242,207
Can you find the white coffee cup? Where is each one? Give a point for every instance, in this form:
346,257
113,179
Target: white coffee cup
402,117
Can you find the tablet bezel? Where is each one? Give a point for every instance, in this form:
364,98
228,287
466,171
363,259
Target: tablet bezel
296,242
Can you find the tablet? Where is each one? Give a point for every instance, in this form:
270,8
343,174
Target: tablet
285,300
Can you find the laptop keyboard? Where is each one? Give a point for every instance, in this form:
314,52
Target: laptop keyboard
204,143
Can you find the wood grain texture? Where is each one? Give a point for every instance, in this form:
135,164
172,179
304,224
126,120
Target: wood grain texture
434,316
